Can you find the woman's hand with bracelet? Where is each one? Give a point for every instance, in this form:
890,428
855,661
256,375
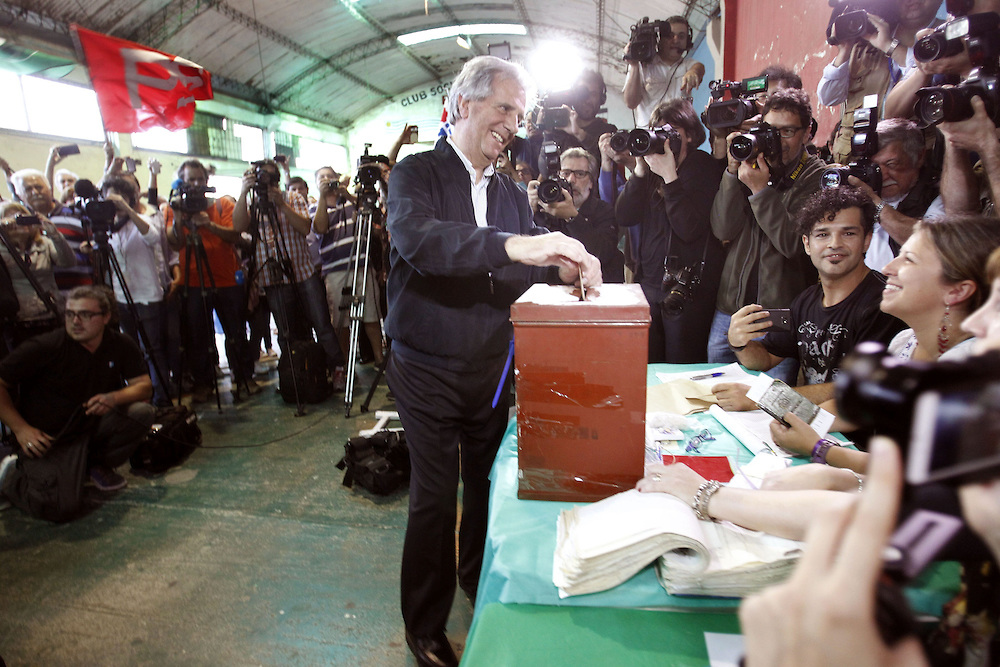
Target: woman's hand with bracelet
676,479
798,437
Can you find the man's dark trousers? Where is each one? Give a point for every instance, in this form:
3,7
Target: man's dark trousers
450,427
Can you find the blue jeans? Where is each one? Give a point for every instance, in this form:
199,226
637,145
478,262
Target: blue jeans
309,309
152,316
230,304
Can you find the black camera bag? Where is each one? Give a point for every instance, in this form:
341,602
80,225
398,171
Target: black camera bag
172,438
380,463
309,360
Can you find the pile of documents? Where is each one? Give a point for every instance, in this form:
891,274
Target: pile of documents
601,545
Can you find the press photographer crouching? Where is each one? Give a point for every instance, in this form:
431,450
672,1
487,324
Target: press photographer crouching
30,247
569,204
80,409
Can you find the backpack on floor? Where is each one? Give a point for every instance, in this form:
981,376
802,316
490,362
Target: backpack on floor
309,360
171,439
380,463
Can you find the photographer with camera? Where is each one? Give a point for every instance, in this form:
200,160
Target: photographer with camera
579,213
203,233
678,261
291,282
40,247
34,191
584,100
658,67
136,240
908,190
827,320
968,188
754,212
874,50
334,220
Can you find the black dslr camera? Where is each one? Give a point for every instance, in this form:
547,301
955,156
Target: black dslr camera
643,141
760,140
849,19
945,415
643,42
679,284
864,146
552,184
980,31
949,104
189,199
738,108
556,116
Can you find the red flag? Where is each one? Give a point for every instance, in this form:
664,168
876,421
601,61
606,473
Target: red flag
138,87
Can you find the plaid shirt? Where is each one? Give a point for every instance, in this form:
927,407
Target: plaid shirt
293,244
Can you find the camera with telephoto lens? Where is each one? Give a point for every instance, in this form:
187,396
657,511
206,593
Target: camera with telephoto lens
551,186
864,146
945,415
981,32
644,40
190,199
678,285
954,103
849,20
643,141
740,106
760,140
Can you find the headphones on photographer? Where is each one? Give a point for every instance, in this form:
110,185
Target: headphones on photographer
690,33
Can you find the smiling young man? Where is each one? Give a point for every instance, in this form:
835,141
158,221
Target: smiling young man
827,319
463,248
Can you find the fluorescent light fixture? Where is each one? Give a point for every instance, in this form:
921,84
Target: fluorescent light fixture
447,32
461,41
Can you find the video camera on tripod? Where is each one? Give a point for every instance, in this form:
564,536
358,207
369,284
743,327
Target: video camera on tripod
189,199
368,180
97,215
864,146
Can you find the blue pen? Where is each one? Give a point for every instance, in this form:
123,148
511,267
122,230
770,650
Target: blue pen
503,376
706,376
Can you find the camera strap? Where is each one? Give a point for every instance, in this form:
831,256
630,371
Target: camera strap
786,181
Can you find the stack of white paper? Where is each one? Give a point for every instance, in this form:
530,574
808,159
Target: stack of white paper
601,545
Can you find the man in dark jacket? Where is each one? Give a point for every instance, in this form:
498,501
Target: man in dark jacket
463,249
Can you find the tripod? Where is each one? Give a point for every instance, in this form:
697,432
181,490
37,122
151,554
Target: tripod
106,269
266,228
16,335
359,263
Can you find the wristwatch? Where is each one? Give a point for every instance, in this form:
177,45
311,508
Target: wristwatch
878,210
892,47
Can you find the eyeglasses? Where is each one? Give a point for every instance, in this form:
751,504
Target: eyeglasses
579,173
788,132
84,315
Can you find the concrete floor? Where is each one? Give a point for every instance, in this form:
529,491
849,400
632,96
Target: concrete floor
250,553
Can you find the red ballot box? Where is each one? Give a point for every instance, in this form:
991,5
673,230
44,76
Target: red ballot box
581,390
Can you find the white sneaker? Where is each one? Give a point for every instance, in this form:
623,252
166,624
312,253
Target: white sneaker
5,467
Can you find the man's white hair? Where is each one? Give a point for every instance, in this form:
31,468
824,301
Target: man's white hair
475,82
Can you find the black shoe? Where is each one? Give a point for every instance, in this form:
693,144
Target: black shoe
432,651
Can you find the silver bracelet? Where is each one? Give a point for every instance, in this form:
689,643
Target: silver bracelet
861,480
701,498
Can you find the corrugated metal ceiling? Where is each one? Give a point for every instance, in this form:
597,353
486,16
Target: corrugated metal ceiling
336,60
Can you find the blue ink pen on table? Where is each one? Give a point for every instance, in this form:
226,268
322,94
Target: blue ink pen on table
706,376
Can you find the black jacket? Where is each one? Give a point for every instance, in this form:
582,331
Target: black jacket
451,282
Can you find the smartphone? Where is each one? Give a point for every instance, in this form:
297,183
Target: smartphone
414,134
281,159
955,435
130,164
781,319
68,149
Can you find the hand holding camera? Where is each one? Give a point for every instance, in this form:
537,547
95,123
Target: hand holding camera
564,208
973,134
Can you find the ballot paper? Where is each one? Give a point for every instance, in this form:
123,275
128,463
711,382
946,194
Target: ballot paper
752,428
601,545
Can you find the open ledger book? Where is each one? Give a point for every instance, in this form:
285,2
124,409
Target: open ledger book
601,545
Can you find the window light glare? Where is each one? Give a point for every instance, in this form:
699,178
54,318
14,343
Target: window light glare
447,32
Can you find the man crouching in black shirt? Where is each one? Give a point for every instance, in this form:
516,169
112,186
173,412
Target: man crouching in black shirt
81,409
